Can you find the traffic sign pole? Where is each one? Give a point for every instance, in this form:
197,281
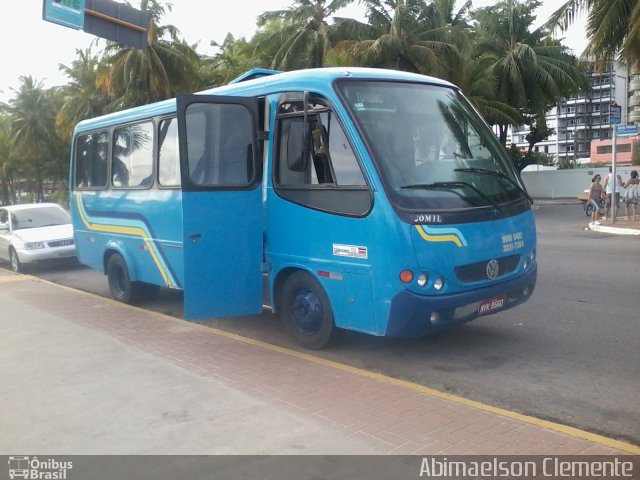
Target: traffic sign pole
615,117
614,179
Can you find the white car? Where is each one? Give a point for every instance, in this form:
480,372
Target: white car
35,232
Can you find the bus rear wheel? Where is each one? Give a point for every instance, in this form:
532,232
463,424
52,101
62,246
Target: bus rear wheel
306,311
120,285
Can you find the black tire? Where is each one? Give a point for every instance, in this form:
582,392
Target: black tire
16,266
120,285
306,311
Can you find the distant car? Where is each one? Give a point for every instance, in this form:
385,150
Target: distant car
32,233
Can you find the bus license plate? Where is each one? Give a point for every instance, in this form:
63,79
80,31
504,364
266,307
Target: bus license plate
491,305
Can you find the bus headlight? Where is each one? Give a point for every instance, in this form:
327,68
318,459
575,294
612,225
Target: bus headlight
422,279
33,245
438,283
533,255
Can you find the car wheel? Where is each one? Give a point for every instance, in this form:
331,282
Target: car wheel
16,266
306,311
120,285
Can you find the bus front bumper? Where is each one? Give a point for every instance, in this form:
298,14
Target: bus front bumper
412,315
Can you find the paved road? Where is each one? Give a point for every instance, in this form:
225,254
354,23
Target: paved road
571,354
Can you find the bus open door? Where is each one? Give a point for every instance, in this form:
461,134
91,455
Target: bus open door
221,171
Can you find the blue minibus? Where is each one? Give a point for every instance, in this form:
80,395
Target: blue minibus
363,199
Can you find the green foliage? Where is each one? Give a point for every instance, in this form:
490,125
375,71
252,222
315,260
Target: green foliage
167,66
566,163
61,197
305,36
507,69
538,132
613,27
521,159
532,70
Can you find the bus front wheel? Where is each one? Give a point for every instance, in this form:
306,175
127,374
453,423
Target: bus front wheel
120,285
306,311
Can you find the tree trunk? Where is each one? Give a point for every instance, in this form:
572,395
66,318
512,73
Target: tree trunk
502,129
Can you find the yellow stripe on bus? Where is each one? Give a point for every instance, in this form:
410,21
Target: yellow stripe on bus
438,238
135,231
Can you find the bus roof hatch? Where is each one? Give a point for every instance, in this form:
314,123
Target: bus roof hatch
253,74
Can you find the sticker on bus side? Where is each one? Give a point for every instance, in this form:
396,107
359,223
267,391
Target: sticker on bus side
351,251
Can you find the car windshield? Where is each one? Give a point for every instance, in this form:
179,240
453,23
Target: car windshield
431,148
39,217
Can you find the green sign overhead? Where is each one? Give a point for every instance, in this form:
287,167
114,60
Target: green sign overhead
108,19
69,13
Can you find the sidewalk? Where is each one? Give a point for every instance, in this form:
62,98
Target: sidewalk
623,226
82,374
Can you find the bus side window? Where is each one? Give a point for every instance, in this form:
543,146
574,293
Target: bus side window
169,154
328,160
90,160
132,156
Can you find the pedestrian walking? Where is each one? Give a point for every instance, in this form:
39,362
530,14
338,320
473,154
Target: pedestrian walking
631,195
596,194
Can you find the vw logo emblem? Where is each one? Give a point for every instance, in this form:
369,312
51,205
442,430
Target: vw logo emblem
493,269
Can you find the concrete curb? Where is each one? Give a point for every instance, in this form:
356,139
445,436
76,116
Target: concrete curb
613,230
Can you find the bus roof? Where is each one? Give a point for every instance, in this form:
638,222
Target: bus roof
268,83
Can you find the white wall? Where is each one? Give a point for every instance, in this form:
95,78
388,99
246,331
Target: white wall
567,183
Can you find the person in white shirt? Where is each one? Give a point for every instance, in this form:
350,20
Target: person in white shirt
612,213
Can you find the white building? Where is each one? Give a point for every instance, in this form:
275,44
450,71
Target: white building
585,117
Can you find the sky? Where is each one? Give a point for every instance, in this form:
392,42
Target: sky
33,46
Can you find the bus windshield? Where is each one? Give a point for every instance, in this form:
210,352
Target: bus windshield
431,148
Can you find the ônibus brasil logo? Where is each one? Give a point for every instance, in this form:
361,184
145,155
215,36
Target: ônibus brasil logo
34,469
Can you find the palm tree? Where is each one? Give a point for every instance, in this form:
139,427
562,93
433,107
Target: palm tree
473,74
532,69
32,116
235,57
6,162
305,38
403,35
155,73
84,96
613,27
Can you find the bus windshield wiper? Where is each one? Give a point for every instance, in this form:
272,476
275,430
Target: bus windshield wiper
485,171
452,186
